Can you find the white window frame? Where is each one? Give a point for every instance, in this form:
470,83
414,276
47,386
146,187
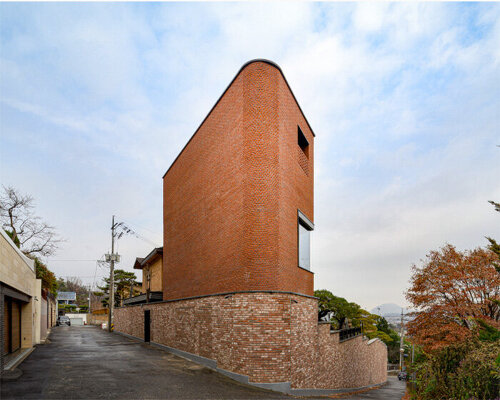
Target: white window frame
305,223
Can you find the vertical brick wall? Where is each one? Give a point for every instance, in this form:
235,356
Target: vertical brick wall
203,203
296,190
270,337
231,197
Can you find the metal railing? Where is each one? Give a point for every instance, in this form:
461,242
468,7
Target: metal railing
345,334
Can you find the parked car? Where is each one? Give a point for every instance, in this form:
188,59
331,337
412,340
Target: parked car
63,320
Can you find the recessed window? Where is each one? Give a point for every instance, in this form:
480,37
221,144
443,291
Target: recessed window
303,143
304,241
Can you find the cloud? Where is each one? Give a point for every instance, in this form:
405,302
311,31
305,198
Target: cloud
98,99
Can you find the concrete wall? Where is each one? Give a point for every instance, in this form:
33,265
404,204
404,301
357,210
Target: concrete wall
37,315
43,319
17,272
269,337
232,195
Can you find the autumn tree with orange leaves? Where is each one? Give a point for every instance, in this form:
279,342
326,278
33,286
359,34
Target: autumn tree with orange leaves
455,293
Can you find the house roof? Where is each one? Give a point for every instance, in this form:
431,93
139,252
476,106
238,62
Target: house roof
156,253
273,64
141,298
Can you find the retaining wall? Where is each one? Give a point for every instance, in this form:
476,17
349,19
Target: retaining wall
273,338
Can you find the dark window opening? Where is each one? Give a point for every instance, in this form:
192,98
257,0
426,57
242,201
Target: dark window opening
303,143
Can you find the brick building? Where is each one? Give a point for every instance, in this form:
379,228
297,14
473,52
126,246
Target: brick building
237,280
234,196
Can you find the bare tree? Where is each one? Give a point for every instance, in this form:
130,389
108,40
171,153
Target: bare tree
34,236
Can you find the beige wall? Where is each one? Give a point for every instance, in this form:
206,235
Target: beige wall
18,272
52,312
28,327
37,312
156,269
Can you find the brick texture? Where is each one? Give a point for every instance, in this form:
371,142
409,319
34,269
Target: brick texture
271,337
230,209
231,197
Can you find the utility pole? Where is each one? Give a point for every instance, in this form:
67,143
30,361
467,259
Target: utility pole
111,301
89,298
401,342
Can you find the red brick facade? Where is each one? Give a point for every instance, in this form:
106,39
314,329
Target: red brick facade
269,337
232,195
233,291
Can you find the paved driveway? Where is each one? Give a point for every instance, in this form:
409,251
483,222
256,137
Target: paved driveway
88,363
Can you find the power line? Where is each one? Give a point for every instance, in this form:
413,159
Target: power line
127,230
142,227
51,260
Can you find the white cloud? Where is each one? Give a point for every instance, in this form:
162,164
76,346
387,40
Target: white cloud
97,101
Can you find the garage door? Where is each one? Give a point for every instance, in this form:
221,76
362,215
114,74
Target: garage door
16,325
6,330
76,321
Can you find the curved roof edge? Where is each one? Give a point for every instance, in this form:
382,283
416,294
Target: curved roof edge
262,60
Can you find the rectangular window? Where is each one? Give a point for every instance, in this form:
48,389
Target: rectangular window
304,238
304,248
303,143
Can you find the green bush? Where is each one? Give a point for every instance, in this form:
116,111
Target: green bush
464,371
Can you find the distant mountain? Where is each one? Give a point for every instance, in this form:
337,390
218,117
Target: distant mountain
388,309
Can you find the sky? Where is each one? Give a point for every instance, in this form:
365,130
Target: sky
97,100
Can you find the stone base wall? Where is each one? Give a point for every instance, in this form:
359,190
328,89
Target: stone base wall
269,337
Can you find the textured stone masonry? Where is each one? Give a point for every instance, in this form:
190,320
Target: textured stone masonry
270,337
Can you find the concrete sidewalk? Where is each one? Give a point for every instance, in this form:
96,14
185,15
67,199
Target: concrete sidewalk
89,363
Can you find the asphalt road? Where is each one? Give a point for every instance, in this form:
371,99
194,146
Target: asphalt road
88,363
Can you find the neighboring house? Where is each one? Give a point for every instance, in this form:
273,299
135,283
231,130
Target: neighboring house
237,278
63,300
20,294
152,272
66,298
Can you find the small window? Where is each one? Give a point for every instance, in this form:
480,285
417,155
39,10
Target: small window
303,143
304,241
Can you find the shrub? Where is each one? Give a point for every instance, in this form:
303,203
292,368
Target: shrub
469,370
